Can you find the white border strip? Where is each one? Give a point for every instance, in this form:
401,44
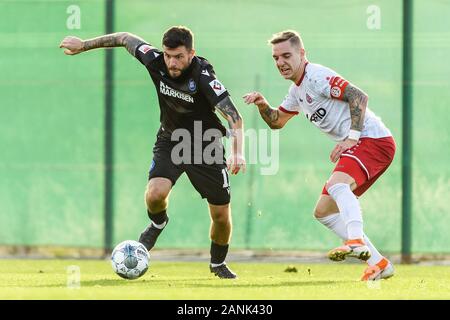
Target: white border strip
359,161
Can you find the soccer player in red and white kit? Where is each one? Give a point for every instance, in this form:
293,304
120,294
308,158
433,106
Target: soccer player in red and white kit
365,147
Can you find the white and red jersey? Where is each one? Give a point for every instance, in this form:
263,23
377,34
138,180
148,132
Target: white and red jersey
318,95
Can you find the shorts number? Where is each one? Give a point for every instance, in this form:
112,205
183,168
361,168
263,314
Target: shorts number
226,182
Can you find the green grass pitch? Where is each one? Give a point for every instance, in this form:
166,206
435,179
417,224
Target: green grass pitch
47,279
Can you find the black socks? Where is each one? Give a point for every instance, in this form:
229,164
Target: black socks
158,218
218,253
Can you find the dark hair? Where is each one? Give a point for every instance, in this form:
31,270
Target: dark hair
288,35
178,36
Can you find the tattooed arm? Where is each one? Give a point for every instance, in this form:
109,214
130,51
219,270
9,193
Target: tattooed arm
227,109
270,116
74,45
357,102
274,118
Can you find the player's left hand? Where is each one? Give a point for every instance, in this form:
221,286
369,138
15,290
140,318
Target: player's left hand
235,163
340,148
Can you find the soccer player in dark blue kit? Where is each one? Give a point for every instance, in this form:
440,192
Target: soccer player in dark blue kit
189,94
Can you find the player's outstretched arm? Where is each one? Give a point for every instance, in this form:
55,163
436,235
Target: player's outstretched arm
227,109
74,45
274,118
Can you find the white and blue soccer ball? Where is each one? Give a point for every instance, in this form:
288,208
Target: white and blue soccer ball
130,259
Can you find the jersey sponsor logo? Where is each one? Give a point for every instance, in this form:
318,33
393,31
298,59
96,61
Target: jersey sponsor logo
217,87
168,91
205,72
318,115
309,99
191,85
145,48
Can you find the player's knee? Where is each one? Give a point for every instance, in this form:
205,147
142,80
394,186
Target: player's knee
321,212
220,216
155,196
317,213
222,219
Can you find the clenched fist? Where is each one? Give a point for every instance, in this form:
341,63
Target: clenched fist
73,45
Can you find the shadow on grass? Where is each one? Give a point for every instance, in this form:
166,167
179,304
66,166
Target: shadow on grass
196,283
304,283
216,283
118,282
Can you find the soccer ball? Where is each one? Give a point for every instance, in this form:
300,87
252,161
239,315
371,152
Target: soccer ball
130,259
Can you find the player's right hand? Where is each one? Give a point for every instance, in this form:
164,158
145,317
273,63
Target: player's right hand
256,98
73,45
235,163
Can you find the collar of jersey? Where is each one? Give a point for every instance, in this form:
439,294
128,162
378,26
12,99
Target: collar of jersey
303,75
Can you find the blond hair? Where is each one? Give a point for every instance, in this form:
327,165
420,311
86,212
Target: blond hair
288,35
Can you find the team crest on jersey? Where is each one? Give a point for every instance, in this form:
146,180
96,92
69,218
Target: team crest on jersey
309,99
335,92
145,48
217,87
191,85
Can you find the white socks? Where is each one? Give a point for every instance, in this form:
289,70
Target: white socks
335,223
349,208
375,254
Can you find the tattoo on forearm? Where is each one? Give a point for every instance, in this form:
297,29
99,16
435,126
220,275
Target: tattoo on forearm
269,115
106,41
119,39
131,42
228,111
357,102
